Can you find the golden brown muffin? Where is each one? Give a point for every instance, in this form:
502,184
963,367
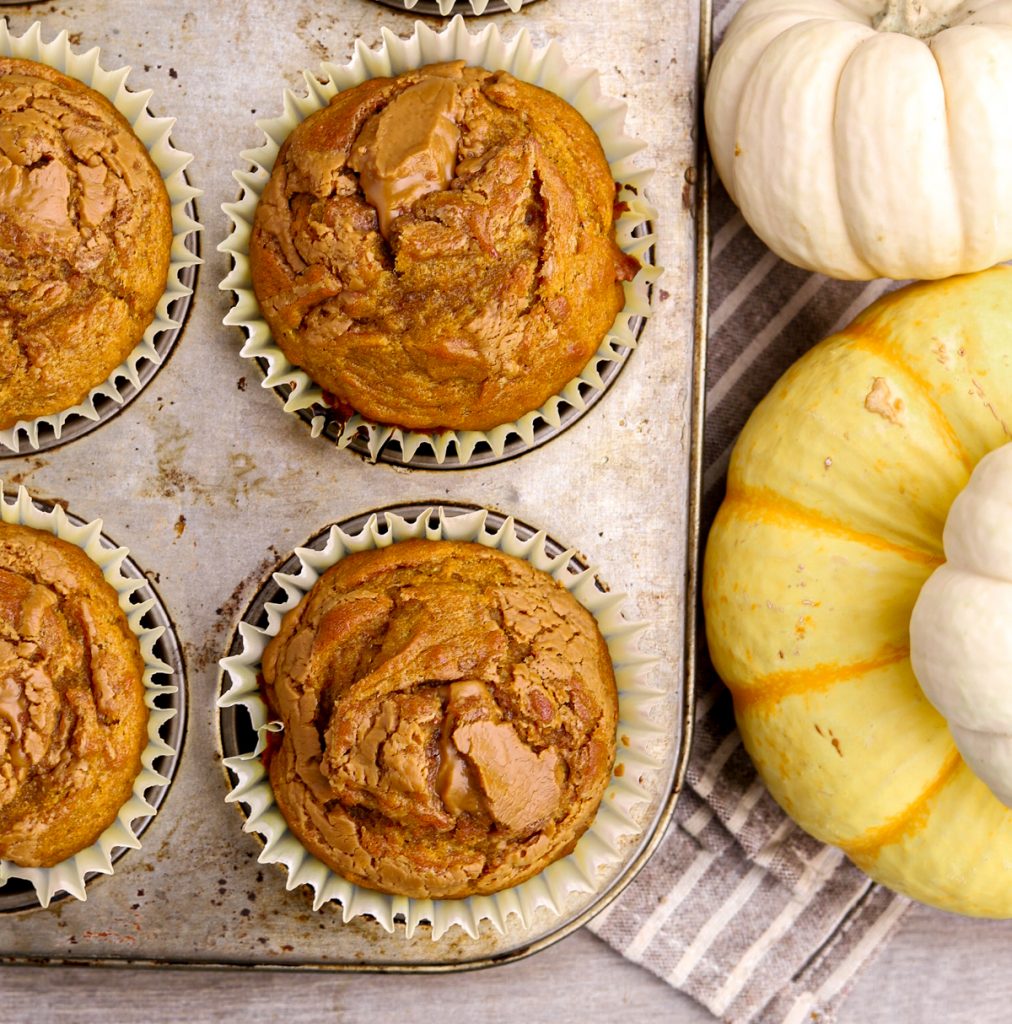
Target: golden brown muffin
73,721
449,716
437,250
85,235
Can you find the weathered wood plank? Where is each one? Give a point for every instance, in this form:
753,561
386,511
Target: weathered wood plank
938,968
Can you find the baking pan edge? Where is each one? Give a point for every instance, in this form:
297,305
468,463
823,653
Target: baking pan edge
690,649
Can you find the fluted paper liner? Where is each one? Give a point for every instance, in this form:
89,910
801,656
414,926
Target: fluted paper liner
171,162
478,6
69,875
546,68
602,849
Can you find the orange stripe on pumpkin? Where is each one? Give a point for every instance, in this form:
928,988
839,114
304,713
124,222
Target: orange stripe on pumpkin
866,338
911,820
767,506
776,686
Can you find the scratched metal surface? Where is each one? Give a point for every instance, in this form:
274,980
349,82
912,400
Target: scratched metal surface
209,483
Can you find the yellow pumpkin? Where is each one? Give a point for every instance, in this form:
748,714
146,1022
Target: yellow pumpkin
837,494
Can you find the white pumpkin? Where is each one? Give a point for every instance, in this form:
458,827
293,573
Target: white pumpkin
869,138
961,627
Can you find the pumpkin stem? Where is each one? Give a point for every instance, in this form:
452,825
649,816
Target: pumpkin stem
918,18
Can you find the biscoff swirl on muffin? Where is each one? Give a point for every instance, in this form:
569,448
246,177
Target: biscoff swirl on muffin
449,718
437,250
73,720
85,240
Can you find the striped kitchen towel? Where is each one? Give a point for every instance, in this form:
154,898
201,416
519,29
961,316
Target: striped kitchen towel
738,907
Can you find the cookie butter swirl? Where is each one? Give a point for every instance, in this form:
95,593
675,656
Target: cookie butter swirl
72,715
449,718
408,149
85,234
437,250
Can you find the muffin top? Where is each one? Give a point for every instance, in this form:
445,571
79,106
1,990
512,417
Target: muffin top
449,719
437,250
73,721
85,234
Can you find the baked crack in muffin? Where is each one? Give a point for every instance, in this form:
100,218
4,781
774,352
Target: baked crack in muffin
437,250
449,719
85,238
73,721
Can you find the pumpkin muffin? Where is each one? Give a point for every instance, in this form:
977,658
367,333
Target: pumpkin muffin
449,719
437,250
85,236
73,721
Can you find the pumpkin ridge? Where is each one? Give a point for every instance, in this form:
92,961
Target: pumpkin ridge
766,505
853,235
864,337
773,688
912,819
957,195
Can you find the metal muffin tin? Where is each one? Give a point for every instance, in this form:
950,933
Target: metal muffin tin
210,484
431,7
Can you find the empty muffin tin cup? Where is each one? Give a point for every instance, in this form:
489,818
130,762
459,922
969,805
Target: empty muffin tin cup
613,835
105,399
70,875
546,68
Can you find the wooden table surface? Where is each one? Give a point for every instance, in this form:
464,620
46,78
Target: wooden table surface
937,968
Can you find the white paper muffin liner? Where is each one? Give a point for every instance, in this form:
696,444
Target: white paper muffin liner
546,68
171,162
446,6
602,849
69,875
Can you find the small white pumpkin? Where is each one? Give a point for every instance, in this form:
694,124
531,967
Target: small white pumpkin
961,627
869,138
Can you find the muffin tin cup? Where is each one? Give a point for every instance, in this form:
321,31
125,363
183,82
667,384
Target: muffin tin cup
604,848
443,8
129,377
546,68
70,875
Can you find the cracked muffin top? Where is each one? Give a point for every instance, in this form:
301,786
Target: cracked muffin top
449,719
437,250
85,234
73,721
